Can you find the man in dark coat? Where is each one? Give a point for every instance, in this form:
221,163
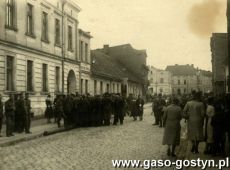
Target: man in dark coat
68,108
28,113
107,109
160,111
140,107
9,113
20,106
59,109
1,114
119,110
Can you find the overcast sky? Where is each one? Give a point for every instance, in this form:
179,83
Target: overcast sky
172,31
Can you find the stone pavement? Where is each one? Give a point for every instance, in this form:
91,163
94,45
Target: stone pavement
37,128
88,148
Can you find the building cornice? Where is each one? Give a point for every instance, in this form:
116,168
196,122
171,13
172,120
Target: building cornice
35,51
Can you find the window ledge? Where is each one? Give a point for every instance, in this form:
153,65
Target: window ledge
58,45
10,92
30,35
13,28
70,50
45,41
45,93
30,92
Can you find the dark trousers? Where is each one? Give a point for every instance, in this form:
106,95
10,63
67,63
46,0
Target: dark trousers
1,120
118,117
9,125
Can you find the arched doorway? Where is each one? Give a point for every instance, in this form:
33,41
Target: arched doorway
71,82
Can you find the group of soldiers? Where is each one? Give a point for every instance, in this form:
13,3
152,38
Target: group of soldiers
17,113
86,110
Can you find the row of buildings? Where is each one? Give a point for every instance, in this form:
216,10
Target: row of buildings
43,51
221,58
179,79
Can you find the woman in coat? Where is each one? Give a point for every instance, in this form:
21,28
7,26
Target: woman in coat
209,129
194,111
172,117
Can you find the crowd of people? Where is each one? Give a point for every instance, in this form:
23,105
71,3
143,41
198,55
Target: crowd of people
207,118
73,109
17,111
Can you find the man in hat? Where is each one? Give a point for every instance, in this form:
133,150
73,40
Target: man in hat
9,112
28,113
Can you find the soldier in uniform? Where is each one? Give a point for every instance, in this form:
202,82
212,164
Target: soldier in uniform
107,109
59,109
160,109
1,114
28,113
119,110
140,105
9,112
49,109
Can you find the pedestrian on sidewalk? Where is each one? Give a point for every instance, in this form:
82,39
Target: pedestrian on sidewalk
1,114
219,129
140,107
172,117
9,113
119,109
210,112
28,113
49,109
194,112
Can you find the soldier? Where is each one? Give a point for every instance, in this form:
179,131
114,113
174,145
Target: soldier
28,113
119,110
107,109
9,112
49,109
59,109
140,105
68,108
160,109
1,114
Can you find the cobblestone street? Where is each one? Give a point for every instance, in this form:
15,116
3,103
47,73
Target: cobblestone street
88,148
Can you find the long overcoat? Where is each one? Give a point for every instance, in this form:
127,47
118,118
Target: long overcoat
172,117
194,112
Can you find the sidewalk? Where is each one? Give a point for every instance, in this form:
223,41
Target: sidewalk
38,127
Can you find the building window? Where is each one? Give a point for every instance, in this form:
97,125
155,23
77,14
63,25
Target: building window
81,86
10,73
29,75
81,50
11,15
57,32
107,87
101,87
44,78
178,82
30,22
45,27
86,86
86,53
184,82
70,38
161,90
95,87
161,80
118,90
185,90
57,79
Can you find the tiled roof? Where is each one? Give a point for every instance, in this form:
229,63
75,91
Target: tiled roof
107,66
180,70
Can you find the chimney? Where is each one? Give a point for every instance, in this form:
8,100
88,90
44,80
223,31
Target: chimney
106,48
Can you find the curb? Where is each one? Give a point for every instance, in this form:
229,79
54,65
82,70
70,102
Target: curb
33,136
